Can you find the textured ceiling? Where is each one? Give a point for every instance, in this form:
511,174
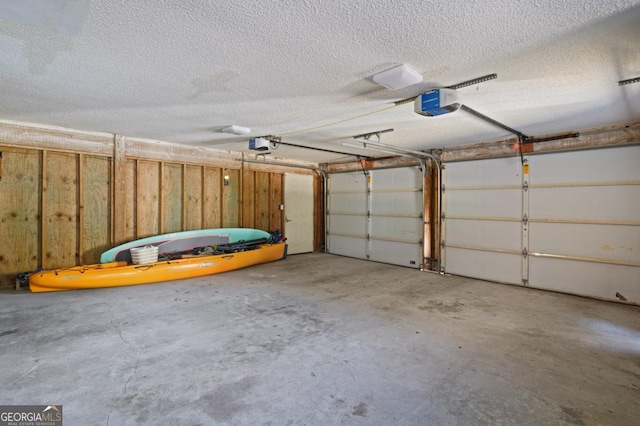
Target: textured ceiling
301,69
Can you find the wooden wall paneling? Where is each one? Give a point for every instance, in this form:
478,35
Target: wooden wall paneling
203,193
276,218
43,189
80,208
50,138
248,198
130,190
95,212
20,192
60,210
193,197
147,198
161,200
119,232
231,199
172,197
211,198
262,200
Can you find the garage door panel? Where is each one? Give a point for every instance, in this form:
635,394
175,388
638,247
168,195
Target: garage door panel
348,182
485,203
584,278
500,267
380,218
350,203
595,241
494,234
397,203
395,253
397,228
617,203
405,177
494,172
612,164
579,221
350,225
348,246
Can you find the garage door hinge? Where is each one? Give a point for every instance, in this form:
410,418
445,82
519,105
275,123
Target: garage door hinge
442,216
525,219
525,186
442,244
443,188
525,253
525,282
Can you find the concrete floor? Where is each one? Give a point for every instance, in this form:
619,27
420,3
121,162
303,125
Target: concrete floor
322,340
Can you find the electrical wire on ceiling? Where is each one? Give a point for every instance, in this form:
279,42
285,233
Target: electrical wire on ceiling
338,122
395,104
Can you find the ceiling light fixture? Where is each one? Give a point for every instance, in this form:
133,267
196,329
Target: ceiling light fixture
398,77
237,130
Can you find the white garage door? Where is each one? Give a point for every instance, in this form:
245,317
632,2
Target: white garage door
483,219
378,216
572,224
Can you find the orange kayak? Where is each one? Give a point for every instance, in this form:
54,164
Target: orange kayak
116,274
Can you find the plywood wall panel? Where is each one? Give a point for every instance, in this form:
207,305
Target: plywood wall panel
211,198
72,205
172,194
96,209
276,198
193,197
231,199
262,200
131,189
60,210
248,198
147,198
19,214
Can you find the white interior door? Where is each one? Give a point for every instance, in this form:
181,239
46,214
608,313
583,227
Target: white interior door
298,212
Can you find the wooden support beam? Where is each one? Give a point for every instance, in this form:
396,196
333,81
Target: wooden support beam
119,191
80,210
381,163
21,135
601,137
43,221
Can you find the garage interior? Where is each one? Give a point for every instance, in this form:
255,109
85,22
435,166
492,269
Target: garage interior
476,262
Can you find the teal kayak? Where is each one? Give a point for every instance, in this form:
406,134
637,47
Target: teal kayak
186,240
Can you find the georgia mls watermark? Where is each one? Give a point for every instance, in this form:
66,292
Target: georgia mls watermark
30,415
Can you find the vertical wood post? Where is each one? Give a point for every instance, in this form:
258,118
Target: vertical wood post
43,220
80,211
119,188
184,198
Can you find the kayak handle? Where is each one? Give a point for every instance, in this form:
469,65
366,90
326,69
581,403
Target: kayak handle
145,267
229,256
